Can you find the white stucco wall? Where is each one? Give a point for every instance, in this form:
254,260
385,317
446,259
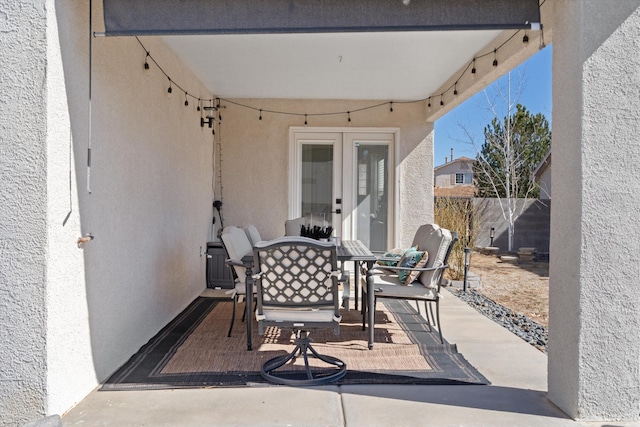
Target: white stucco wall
150,207
255,158
72,316
23,237
70,373
594,318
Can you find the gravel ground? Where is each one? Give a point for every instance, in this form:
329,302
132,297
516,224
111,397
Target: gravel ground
522,326
522,287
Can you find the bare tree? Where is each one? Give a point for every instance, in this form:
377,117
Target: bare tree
512,149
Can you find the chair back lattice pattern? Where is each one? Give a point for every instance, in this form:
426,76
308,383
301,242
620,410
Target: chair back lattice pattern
296,272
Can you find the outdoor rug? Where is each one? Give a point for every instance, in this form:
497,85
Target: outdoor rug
193,351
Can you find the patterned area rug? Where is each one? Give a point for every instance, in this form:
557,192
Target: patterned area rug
194,351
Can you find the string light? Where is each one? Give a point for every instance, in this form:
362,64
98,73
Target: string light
454,87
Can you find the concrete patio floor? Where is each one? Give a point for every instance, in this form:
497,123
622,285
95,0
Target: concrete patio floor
516,396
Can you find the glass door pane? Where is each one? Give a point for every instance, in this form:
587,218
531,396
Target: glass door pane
372,199
317,183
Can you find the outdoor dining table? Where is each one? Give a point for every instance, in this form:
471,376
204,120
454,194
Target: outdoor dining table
347,250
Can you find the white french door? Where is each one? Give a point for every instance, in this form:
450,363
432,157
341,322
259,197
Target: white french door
316,178
346,179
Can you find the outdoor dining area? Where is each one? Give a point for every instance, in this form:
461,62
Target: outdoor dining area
311,317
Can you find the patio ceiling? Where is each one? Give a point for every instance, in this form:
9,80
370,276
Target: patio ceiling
333,49
383,66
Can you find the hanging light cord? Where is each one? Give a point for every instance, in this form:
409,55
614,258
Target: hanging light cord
454,87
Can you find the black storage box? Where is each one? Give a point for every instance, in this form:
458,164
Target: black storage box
218,273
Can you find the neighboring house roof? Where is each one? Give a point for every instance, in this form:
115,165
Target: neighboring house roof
462,159
448,175
457,191
543,166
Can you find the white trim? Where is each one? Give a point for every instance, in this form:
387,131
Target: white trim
398,174
295,153
381,138
347,206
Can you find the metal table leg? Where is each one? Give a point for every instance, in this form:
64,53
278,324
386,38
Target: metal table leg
356,285
249,304
370,306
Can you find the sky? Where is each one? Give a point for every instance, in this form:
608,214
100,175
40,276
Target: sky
534,78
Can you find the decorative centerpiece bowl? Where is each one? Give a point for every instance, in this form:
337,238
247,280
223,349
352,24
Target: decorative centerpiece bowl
316,232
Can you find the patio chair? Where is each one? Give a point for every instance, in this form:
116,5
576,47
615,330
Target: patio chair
292,226
253,234
423,279
297,288
237,245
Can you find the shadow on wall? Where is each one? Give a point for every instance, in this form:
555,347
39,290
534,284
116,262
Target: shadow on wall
532,228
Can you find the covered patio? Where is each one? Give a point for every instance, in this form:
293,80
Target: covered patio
108,180
516,396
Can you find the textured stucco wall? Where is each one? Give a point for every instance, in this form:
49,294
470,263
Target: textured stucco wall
22,210
151,203
255,158
71,316
70,373
594,319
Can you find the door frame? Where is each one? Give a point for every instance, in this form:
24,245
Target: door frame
293,198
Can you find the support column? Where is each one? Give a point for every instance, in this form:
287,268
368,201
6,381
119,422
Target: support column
23,195
594,319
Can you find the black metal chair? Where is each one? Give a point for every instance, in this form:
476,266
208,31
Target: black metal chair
426,281
296,281
237,245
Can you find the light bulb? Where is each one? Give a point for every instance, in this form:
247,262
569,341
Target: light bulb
147,68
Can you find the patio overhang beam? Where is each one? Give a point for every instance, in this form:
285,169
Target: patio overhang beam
195,17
